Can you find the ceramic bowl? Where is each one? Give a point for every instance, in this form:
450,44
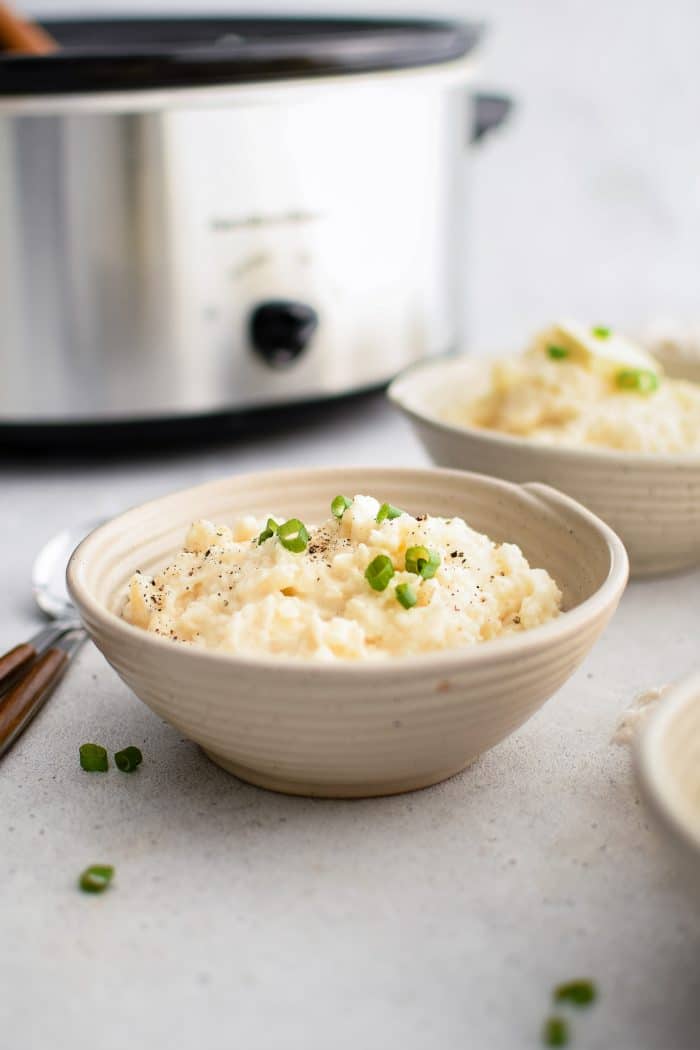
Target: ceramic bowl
651,501
667,756
353,729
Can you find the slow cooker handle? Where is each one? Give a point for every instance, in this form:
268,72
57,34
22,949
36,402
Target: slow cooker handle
490,111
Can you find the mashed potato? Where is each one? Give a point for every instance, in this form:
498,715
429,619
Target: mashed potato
347,593
583,387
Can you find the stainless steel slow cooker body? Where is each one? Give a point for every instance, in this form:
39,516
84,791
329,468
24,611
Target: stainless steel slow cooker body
281,233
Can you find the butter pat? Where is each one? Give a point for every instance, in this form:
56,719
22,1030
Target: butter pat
598,349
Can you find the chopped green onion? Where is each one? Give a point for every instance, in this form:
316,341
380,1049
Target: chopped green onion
293,535
422,562
379,572
579,992
93,758
128,759
555,1032
387,512
269,531
96,878
601,333
640,380
557,353
406,595
339,505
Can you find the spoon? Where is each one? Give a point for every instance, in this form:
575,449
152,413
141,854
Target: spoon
30,671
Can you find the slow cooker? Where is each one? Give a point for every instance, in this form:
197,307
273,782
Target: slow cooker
203,217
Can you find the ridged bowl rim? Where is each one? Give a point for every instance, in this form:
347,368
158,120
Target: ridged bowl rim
652,767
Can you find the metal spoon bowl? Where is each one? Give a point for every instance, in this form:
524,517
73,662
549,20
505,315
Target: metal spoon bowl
49,572
30,671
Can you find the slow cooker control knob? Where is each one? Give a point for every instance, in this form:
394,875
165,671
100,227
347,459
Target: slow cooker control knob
281,329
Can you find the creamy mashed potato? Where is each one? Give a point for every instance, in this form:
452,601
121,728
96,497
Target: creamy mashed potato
583,387
241,590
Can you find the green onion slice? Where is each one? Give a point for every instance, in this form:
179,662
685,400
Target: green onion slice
379,572
600,332
555,1032
293,535
96,878
339,505
557,353
128,759
93,758
406,595
269,530
422,562
579,992
387,513
640,380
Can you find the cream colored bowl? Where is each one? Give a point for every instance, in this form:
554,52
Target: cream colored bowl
352,729
651,501
667,756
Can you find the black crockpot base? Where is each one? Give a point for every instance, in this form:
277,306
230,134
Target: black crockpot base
173,433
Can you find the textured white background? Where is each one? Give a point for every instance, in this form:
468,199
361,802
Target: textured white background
440,920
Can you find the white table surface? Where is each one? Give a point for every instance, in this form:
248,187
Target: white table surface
244,919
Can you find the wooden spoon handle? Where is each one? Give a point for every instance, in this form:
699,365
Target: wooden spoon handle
23,37
14,661
18,707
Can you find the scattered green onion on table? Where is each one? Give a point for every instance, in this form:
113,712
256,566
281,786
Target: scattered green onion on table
93,758
128,759
96,878
580,992
555,1032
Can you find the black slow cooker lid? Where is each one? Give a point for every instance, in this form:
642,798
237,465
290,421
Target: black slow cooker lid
128,54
